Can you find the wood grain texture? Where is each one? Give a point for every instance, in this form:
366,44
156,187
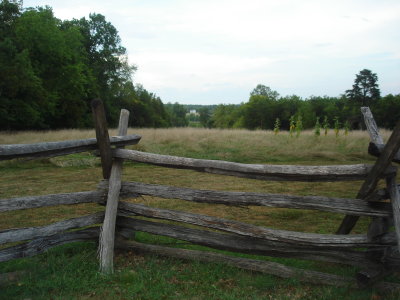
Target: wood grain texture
290,237
372,128
51,200
244,244
40,245
257,171
378,227
378,171
106,242
21,234
51,149
103,140
376,150
331,204
395,199
382,163
123,123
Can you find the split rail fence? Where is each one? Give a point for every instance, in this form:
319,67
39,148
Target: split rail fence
376,253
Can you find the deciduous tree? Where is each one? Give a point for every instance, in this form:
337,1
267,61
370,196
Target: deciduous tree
262,90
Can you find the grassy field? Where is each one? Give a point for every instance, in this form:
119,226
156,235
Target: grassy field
70,271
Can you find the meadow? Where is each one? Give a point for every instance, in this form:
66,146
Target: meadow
71,271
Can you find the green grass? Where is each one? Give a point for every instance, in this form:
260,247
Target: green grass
71,271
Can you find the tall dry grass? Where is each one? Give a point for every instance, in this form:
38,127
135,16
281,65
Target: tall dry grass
171,275
228,144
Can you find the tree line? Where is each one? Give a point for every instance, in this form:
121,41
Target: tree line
50,70
265,108
261,112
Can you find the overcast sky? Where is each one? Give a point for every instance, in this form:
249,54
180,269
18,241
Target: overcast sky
216,51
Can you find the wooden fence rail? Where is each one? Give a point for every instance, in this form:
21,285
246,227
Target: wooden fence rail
256,265
42,244
375,252
22,234
244,229
331,204
376,150
379,169
50,149
244,263
51,200
244,244
256,171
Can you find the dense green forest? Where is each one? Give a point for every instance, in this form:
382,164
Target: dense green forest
50,70
264,108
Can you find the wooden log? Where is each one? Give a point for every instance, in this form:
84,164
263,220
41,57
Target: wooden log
376,150
372,128
21,234
337,205
51,200
290,237
40,245
379,169
378,195
266,267
103,140
106,243
376,145
378,225
258,171
377,228
51,149
123,123
395,199
243,244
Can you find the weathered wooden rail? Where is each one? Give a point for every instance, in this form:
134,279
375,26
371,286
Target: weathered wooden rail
376,252
263,172
50,149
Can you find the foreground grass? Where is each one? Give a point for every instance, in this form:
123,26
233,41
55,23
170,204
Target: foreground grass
70,271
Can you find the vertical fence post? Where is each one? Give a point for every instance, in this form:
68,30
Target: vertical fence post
381,164
395,199
103,140
107,234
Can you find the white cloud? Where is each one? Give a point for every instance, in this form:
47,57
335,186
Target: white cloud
216,46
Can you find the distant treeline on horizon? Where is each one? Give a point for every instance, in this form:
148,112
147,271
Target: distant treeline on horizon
52,69
262,112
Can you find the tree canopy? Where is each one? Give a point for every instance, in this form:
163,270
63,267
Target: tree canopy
51,69
263,90
365,88
264,106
